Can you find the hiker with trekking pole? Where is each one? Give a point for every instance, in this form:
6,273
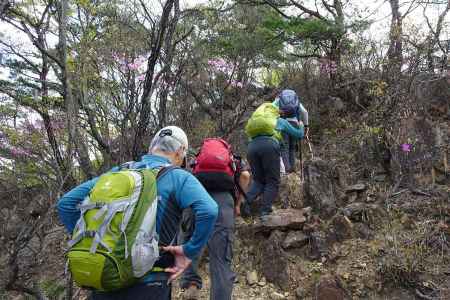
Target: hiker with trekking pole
292,110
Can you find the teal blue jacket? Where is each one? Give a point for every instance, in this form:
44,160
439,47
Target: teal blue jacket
284,126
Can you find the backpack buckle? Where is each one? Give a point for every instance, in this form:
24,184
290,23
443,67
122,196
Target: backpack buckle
89,233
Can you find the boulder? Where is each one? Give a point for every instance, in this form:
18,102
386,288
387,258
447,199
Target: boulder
282,219
359,187
363,212
277,296
295,239
328,288
299,293
275,261
343,227
363,231
318,187
291,191
252,277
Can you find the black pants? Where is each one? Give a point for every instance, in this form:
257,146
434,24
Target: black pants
264,157
158,290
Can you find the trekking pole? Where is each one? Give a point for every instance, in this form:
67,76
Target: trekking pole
300,155
310,147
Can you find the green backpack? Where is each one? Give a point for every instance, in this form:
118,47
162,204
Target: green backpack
263,121
114,242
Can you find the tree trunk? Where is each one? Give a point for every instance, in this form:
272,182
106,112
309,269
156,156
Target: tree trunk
395,57
433,38
140,136
62,165
70,105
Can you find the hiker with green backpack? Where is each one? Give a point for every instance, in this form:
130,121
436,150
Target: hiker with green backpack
265,128
125,223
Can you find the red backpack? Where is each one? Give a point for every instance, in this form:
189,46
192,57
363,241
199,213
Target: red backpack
215,156
217,168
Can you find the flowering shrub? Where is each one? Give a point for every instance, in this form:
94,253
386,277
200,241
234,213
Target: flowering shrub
219,65
327,66
133,65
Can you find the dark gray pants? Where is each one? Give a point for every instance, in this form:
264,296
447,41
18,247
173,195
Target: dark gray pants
264,158
220,249
288,152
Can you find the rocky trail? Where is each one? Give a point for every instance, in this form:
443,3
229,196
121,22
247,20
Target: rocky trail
358,250
332,236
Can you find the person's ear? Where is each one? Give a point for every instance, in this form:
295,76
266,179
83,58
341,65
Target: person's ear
180,156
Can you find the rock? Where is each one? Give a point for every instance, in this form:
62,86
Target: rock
328,289
363,231
291,191
295,239
299,293
359,187
408,222
318,187
343,228
307,211
282,219
338,104
352,197
277,296
380,177
252,277
261,283
275,262
360,211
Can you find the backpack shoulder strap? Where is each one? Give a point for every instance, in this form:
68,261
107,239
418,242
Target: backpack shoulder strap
164,170
127,165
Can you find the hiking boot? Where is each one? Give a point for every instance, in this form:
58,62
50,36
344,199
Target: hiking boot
191,293
264,216
245,210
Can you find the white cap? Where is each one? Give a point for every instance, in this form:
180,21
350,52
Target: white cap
169,139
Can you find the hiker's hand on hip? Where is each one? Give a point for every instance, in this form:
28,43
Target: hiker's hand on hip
182,262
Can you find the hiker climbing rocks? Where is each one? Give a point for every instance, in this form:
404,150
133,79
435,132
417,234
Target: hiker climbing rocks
294,112
124,243
265,128
225,177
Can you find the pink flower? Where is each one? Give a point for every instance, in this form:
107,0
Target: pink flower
141,77
406,147
220,65
236,84
133,66
18,152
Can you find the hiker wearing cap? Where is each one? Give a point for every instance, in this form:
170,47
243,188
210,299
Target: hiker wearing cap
294,112
265,128
225,176
125,259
